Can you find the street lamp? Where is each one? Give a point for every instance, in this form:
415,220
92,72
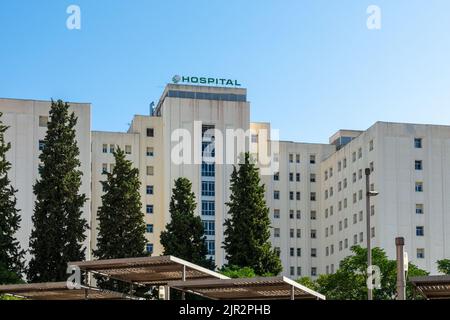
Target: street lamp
369,193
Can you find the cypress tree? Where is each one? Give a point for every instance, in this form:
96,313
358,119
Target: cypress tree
59,229
247,231
184,235
121,220
11,255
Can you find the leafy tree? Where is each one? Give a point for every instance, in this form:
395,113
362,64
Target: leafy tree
184,234
11,255
349,281
121,230
236,272
247,231
59,229
444,266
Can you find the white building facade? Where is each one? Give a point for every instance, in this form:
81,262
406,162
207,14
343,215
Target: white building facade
316,196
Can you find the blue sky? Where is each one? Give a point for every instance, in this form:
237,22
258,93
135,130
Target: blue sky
311,67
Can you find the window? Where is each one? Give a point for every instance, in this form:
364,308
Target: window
339,166
43,121
299,271
276,176
326,175
420,231
149,209
326,213
313,234
359,153
372,210
360,174
355,218
41,145
276,232
331,191
360,194
208,188
209,227
291,195
105,148
354,198
346,243
355,239
254,138
361,237
344,163
291,214
354,156
361,215
341,245
150,170
312,159
371,145
331,172
313,196
150,132
372,232
291,176
418,165
313,271
277,251
276,213
292,254
150,152
299,252
312,178
111,148
127,149
340,225
419,208
345,183
299,214
313,215
276,195
332,249
149,228
211,245
297,196
339,185
299,233
313,252
149,248
149,189
104,168
372,167
297,158
297,177
291,233
354,177
420,253
208,208
419,186
292,271
208,169
418,143
291,158
111,167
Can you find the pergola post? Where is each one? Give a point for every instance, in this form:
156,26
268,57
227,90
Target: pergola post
183,294
292,293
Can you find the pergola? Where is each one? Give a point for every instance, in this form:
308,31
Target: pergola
261,288
432,287
60,291
154,271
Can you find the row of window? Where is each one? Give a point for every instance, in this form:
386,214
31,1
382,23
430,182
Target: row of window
276,214
312,158
312,177
150,170
276,195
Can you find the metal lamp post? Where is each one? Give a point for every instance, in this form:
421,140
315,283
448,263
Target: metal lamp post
369,194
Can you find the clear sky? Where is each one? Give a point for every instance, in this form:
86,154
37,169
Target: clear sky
311,66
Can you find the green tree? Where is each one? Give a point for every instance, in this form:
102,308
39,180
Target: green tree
184,235
11,254
59,229
349,281
247,231
121,229
236,272
444,266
